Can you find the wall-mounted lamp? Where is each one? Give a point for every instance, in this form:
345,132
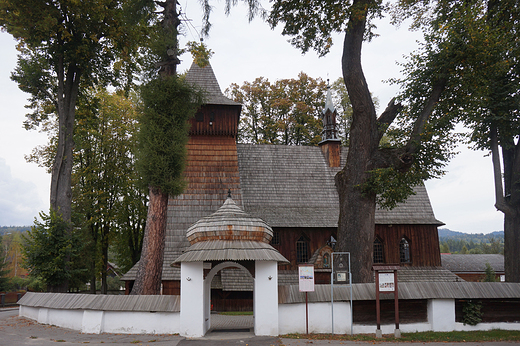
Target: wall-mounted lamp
270,277
188,278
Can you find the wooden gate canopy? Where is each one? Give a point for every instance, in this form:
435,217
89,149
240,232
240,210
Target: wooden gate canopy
230,234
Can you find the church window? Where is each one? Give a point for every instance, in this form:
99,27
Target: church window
379,256
404,251
276,238
302,250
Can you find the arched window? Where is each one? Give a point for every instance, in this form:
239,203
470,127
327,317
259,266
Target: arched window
379,255
404,251
302,250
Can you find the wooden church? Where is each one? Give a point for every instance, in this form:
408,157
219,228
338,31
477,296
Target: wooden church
292,189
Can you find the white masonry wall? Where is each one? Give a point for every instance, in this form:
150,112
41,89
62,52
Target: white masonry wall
192,299
266,298
291,318
96,321
441,314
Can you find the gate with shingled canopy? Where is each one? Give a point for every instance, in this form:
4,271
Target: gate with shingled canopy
228,238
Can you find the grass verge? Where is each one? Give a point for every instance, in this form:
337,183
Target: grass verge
476,336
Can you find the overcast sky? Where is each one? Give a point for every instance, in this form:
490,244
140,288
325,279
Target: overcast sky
463,199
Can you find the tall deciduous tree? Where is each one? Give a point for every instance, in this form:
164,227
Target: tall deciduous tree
483,91
288,111
109,205
168,104
373,172
107,198
284,112
63,44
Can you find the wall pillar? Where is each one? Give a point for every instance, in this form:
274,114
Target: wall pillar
441,314
92,322
266,298
192,299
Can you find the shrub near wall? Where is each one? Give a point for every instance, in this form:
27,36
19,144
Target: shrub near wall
507,310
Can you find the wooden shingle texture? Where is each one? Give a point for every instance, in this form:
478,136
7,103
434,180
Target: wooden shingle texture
292,186
407,290
72,301
208,182
229,222
204,78
471,263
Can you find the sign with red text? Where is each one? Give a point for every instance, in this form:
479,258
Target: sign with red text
386,282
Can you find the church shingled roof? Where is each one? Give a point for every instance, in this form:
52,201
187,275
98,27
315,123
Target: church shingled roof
292,186
204,78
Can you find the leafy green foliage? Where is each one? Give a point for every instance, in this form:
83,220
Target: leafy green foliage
312,22
29,283
489,274
108,203
52,253
390,186
200,53
168,104
98,40
4,280
287,111
472,313
492,243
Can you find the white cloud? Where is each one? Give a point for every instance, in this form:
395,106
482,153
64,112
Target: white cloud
19,200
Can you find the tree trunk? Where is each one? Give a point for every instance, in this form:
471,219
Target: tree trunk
507,198
61,181
104,255
512,246
61,174
511,210
149,272
356,225
92,258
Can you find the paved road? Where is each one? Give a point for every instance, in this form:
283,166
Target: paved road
15,331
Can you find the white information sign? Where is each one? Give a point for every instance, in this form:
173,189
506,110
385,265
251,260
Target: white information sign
306,278
386,282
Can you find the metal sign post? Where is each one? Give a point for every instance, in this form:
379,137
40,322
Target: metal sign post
341,275
306,284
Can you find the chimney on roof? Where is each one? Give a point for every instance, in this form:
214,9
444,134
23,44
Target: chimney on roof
330,144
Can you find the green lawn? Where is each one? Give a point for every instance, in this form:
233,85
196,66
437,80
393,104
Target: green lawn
236,313
492,335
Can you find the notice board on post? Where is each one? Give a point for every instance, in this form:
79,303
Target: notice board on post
306,277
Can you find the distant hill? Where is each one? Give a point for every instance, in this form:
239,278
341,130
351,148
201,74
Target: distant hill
12,229
459,242
445,233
